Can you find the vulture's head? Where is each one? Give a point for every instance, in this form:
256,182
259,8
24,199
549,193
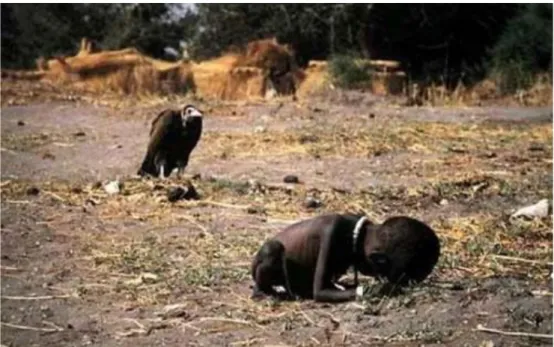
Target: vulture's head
189,112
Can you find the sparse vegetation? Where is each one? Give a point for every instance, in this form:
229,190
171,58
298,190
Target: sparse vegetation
81,266
524,49
346,72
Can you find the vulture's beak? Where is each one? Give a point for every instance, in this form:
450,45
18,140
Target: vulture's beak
195,113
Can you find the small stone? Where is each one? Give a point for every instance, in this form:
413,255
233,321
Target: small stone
158,186
312,203
173,311
255,210
536,147
307,139
457,286
260,129
540,209
180,192
443,202
149,277
21,123
175,194
112,187
291,179
48,155
33,191
91,202
488,343
459,150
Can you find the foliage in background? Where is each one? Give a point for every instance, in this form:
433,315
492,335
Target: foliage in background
345,72
33,30
434,42
524,49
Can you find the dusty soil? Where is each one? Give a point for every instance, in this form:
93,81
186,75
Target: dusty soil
80,267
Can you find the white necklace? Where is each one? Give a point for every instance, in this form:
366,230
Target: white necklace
356,232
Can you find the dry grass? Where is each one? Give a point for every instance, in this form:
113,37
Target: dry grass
122,72
316,79
145,267
137,251
241,76
486,91
364,142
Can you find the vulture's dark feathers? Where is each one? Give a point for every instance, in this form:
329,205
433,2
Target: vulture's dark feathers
173,136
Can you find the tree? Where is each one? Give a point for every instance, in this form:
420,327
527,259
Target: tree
524,48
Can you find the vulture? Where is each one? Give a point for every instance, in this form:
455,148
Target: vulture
173,136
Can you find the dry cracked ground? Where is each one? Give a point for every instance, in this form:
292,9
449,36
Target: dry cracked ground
81,267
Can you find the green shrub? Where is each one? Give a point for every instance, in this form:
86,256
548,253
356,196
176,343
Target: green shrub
524,48
346,72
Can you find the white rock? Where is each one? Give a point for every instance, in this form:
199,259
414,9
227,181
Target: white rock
540,209
260,129
112,187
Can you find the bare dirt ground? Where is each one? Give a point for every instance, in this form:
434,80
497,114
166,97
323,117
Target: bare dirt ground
80,267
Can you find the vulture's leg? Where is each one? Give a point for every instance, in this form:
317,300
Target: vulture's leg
162,173
181,165
161,164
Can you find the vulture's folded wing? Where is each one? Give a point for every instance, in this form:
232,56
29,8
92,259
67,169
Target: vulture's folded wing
162,126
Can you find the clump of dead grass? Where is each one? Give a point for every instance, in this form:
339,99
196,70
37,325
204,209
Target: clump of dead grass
486,91
124,72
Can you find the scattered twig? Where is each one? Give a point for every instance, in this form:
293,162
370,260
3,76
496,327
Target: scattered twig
511,333
135,322
315,340
192,221
131,332
307,318
356,305
62,144
54,195
541,293
7,150
228,320
26,327
8,268
247,342
371,337
521,260
221,204
45,297
52,325
20,202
